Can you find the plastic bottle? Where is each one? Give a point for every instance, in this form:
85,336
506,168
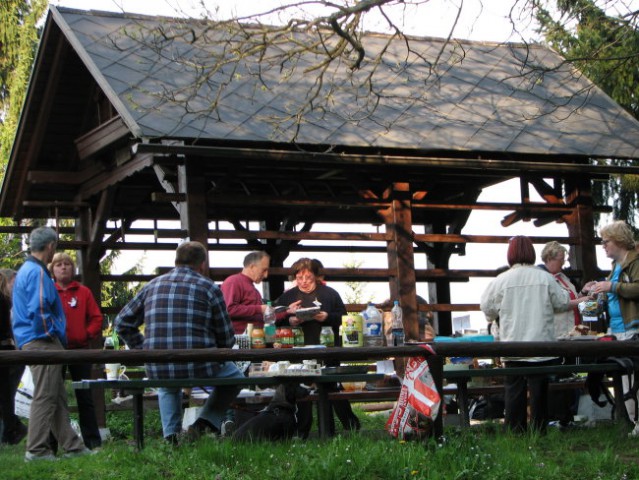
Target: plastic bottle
494,330
397,325
108,343
372,327
112,341
269,325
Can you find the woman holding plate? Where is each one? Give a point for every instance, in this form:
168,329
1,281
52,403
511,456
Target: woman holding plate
312,294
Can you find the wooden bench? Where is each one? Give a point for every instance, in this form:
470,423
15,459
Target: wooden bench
137,387
462,377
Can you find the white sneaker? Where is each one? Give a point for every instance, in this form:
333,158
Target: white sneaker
79,453
635,431
227,428
32,457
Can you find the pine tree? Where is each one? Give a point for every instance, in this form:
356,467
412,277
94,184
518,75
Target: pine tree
606,49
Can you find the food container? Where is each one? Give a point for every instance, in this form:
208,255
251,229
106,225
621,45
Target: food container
353,386
352,330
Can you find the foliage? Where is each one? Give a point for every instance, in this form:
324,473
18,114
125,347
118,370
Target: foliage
118,294
355,291
18,40
606,49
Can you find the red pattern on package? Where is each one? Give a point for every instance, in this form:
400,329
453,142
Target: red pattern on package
418,401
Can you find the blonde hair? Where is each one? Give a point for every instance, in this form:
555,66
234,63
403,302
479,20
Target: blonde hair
60,257
620,233
552,250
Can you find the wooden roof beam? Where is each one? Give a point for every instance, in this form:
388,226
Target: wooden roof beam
101,137
552,167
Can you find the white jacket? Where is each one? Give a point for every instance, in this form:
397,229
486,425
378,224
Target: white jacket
525,299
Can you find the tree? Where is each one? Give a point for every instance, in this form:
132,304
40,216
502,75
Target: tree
606,49
356,291
18,41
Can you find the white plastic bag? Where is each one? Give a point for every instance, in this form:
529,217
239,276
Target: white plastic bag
190,415
24,395
418,403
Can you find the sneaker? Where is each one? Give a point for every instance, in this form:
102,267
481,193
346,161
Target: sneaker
172,439
32,457
635,431
79,453
227,428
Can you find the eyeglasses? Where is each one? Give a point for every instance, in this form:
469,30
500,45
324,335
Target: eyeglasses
305,278
605,242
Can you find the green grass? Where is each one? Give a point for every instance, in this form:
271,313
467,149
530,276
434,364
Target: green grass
484,452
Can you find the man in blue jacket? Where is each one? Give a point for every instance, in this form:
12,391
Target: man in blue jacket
39,324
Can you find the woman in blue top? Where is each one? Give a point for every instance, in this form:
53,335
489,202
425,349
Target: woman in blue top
621,287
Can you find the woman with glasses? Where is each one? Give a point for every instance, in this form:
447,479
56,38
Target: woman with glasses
311,292
554,257
621,288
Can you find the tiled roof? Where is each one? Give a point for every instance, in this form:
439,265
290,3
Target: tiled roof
506,98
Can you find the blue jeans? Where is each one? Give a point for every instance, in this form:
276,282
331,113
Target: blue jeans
214,409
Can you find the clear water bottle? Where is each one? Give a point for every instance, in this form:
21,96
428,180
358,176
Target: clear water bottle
269,325
397,325
108,343
112,340
372,327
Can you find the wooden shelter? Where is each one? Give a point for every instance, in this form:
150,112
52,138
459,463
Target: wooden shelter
124,121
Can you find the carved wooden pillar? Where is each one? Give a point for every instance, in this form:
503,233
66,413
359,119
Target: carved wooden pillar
581,225
401,261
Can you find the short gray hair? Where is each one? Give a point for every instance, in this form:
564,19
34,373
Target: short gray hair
254,258
553,250
41,237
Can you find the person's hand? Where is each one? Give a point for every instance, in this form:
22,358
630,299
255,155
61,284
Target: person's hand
601,287
586,289
293,307
321,316
294,321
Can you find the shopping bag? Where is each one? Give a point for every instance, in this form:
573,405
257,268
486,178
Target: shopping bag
24,395
418,403
191,414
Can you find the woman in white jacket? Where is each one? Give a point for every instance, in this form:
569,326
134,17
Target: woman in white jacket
525,299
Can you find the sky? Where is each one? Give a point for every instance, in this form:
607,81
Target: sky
479,20
482,21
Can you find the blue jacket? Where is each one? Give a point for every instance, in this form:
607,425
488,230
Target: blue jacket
37,309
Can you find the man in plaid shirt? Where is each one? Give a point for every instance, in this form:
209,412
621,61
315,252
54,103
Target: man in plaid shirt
183,309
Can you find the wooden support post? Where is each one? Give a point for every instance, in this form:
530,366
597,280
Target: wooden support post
91,227
401,261
193,211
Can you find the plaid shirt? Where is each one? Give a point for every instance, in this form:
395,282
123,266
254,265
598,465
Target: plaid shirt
180,309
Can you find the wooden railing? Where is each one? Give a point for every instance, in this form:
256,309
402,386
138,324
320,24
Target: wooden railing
444,349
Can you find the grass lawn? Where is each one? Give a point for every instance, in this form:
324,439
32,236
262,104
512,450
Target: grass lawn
484,452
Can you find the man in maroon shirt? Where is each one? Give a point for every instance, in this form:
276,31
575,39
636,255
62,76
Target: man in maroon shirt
243,300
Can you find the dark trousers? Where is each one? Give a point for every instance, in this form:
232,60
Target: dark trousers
86,408
516,390
9,380
342,409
